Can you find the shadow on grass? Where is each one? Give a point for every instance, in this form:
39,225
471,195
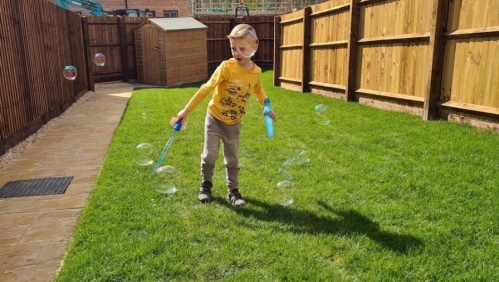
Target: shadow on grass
341,222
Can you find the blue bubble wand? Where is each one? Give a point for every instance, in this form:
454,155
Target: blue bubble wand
267,109
168,144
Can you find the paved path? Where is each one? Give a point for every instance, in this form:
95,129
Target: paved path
35,231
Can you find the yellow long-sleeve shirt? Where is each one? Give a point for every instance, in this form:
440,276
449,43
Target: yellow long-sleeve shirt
233,86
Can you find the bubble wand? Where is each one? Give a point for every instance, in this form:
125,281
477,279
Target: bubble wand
268,120
168,144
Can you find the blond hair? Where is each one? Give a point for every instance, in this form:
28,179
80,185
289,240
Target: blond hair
242,30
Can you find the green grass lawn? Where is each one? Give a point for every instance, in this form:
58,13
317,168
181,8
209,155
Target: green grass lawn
385,197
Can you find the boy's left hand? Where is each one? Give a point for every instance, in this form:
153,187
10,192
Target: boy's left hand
272,115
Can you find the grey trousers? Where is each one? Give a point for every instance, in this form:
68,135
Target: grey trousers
214,131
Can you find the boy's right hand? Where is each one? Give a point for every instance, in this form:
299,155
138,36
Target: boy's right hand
182,115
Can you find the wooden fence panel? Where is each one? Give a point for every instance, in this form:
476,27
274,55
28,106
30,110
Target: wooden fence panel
290,50
471,72
104,36
130,25
12,73
114,38
37,40
218,44
392,54
328,48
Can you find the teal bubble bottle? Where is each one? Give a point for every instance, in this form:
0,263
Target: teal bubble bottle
268,120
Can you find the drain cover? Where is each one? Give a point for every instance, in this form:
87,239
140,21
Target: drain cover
35,187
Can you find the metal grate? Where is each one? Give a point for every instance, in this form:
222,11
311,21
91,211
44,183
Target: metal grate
35,187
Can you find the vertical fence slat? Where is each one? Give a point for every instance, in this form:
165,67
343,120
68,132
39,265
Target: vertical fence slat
277,52
436,61
305,79
123,47
86,48
351,73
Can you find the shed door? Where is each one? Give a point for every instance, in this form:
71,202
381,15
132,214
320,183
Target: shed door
151,55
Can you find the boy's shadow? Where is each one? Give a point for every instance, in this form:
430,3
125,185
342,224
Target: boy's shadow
342,222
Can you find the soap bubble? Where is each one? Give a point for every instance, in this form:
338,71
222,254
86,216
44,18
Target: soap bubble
285,190
69,72
321,108
285,184
302,158
144,154
167,175
100,59
321,112
285,171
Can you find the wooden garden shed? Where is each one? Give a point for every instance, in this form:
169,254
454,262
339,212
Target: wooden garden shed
171,51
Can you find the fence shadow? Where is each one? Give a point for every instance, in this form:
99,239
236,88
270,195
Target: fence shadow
341,222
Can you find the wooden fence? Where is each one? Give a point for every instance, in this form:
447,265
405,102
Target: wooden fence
434,58
114,38
37,40
218,43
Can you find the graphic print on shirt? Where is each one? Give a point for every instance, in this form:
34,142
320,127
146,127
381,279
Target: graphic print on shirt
237,106
246,96
241,110
227,101
232,90
230,113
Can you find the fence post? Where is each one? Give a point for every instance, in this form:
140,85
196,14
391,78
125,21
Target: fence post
436,59
277,52
123,47
88,57
305,79
351,72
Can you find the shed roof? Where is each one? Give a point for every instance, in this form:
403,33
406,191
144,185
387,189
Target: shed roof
168,24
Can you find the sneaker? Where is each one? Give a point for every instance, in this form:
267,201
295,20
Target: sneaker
205,191
235,198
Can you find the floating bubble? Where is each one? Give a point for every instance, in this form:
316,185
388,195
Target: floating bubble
285,184
144,116
100,59
321,114
69,72
285,201
144,154
285,171
167,174
285,189
302,158
321,108
167,171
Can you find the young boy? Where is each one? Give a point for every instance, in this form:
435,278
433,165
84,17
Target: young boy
233,82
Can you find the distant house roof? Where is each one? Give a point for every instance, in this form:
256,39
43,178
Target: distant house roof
168,24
